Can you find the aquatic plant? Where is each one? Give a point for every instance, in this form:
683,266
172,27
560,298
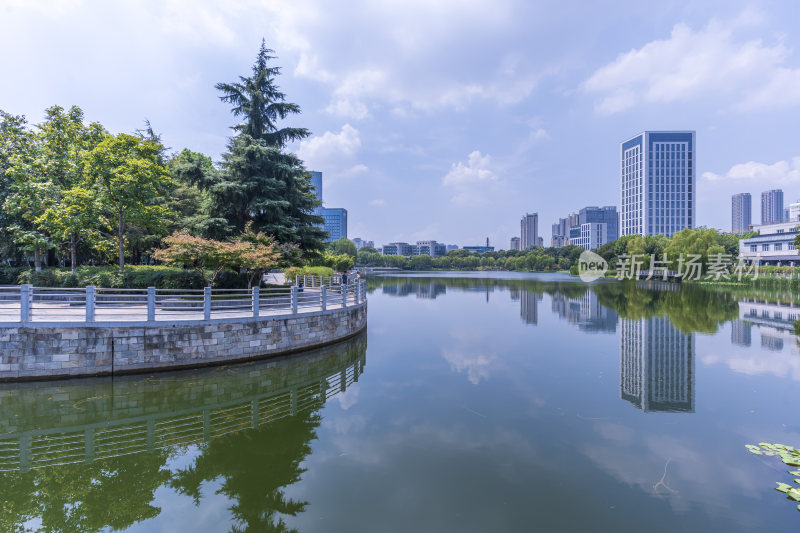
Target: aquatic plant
791,457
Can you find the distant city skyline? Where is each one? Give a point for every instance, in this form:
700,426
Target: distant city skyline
528,116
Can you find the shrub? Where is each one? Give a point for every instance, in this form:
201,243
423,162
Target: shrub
134,277
9,274
321,271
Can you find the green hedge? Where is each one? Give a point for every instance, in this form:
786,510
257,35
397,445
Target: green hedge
134,277
322,271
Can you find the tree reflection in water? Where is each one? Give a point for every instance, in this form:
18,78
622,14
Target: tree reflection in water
94,459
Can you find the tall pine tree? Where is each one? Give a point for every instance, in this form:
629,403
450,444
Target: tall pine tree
258,180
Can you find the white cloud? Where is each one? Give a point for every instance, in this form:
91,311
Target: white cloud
714,62
781,172
471,181
378,202
348,109
330,148
475,364
476,170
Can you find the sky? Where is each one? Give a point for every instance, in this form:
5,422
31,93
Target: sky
446,119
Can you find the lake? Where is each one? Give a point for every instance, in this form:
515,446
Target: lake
474,402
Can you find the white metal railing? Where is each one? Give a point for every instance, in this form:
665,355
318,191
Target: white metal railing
26,303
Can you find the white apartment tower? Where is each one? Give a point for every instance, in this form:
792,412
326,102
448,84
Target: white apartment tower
529,231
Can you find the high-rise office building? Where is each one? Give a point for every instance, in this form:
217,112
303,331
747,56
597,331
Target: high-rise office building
772,206
656,365
514,244
741,210
334,218
316,185
657,193
529,231
335,222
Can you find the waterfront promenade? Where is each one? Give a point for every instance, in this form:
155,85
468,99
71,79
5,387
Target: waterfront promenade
47,333
90,305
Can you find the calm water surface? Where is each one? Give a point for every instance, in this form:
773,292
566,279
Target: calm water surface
474,402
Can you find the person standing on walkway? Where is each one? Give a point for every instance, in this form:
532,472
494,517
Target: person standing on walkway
344,278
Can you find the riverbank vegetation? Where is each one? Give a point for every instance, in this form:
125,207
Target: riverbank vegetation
76,196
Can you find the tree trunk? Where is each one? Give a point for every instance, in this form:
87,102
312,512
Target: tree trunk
73,253
37,260
121,242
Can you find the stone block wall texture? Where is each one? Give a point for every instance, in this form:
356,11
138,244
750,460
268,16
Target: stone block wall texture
46,352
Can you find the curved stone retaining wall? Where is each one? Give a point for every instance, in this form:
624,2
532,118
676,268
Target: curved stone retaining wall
52,350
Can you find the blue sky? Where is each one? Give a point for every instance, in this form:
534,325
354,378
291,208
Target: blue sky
440,120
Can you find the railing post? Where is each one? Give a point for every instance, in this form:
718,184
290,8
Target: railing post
256,301
207,303
305,280
151,304
324,297
25,303
296,279
294,299
90,303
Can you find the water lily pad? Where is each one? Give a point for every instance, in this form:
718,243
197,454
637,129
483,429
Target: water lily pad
754,449
783,487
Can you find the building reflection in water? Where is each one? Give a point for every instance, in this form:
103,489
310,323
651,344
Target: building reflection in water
741,333
529,306
775,322
585,312
656,365
427,290
89,455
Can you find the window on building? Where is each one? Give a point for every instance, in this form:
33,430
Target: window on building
790,246
765,247
753,247
780,231
778,246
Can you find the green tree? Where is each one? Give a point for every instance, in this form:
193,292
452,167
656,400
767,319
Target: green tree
70,212
124,171
16,142
259,101
257,181
192,205
256,253
343,246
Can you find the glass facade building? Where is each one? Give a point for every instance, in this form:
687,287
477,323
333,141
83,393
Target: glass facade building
657,185
334,218
335,222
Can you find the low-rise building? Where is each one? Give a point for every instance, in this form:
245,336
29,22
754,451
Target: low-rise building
398,248
590,235
774,245
479,249
431,248
514,244
360,243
